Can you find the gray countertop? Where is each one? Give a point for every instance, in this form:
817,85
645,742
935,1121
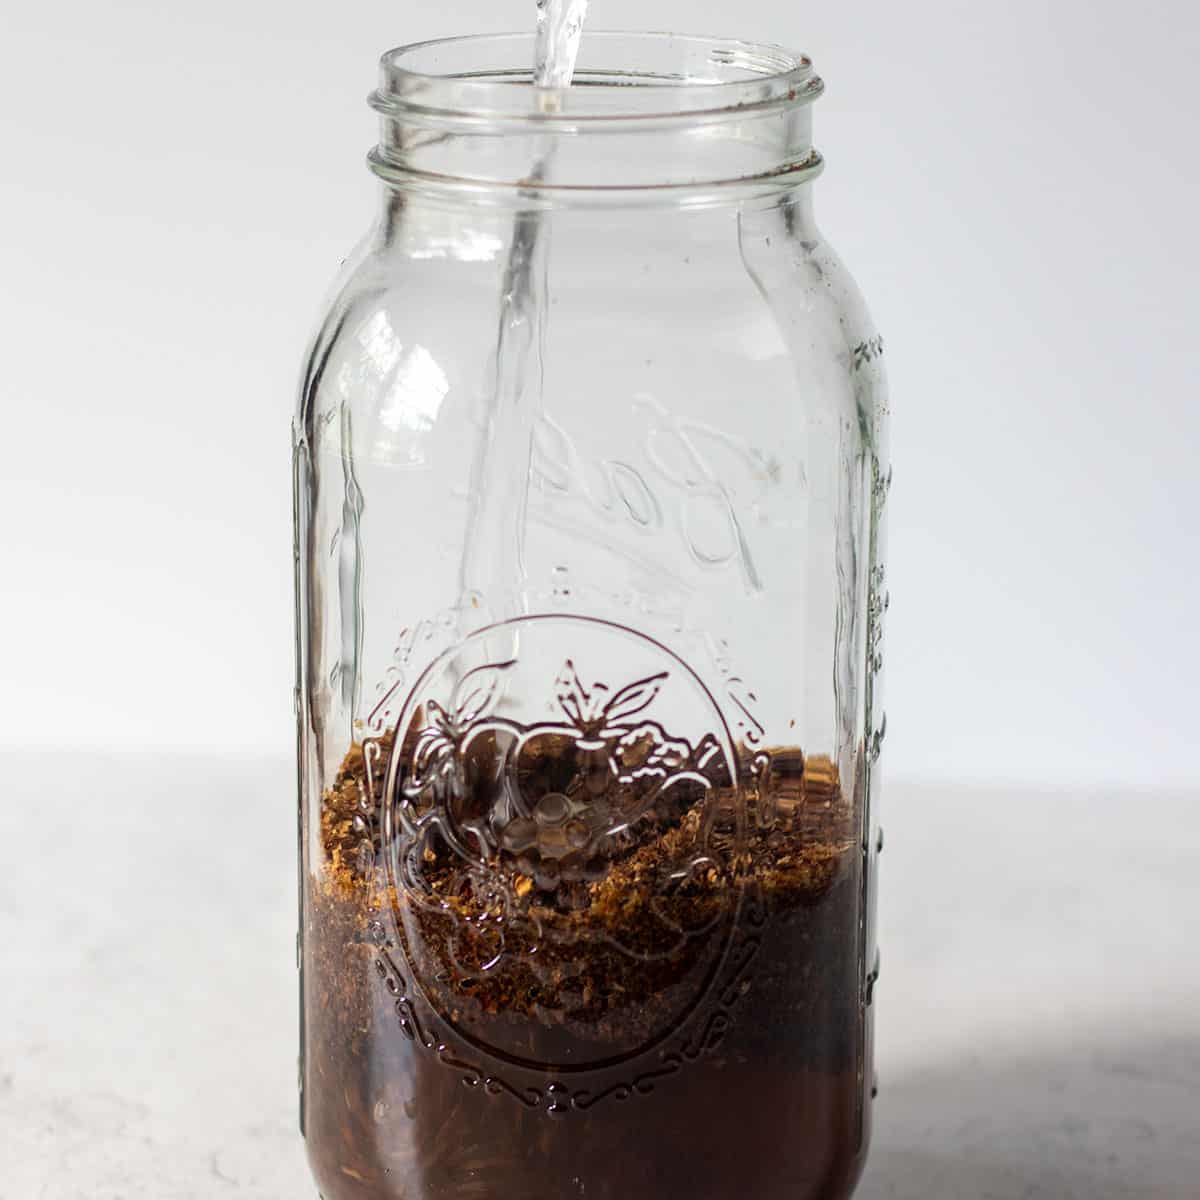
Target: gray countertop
1039,1006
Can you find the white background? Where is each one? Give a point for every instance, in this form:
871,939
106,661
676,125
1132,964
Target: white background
1015,186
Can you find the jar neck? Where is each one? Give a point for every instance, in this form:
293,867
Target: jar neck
688,122
466,231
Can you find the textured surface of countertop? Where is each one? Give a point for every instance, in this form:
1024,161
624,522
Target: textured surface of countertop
1039,1019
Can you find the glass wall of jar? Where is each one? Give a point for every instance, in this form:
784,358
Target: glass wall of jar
590,475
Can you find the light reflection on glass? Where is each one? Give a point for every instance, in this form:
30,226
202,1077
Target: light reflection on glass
463,245
417,390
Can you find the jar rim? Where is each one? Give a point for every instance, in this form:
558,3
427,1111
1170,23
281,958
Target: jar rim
483,82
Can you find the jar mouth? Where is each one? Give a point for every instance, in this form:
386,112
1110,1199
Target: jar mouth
484,83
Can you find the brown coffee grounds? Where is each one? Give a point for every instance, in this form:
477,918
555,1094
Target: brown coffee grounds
609,964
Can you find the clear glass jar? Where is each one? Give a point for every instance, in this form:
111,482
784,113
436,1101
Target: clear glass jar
589,627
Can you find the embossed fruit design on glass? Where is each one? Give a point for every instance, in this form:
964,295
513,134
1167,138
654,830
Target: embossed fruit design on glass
590,478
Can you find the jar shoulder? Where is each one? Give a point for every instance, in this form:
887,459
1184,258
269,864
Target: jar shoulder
820,312
342,296
753,302
395,316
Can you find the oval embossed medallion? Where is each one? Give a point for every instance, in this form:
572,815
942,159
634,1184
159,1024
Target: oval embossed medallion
552,787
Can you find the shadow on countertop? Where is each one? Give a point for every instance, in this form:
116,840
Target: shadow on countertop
1085,1122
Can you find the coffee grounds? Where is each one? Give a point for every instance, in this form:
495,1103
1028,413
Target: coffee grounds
612,956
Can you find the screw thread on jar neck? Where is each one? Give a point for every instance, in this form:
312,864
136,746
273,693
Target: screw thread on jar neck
692,119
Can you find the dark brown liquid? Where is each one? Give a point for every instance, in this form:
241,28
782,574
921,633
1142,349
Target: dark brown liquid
744,1074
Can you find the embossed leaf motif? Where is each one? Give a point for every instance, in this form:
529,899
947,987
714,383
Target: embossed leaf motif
635,698
591,714
573,698
434,747
435,756
477,693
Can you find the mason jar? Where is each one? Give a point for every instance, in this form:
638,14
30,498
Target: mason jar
590,478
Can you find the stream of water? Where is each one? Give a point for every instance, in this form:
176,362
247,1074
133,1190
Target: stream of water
493,570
